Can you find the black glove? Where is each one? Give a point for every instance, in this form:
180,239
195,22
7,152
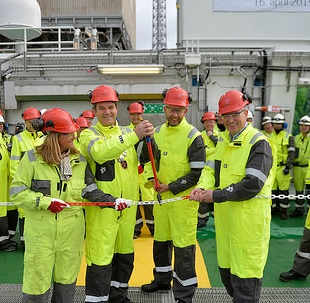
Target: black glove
286,170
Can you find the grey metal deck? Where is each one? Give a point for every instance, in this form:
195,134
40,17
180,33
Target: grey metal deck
11,293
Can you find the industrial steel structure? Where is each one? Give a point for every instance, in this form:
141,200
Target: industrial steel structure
159,27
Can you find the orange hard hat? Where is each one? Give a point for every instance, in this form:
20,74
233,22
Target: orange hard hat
232,101
81,122
176,96
88,114
103,93
31,113
208,116
136,107
59,121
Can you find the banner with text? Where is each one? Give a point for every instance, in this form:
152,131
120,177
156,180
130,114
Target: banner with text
301,6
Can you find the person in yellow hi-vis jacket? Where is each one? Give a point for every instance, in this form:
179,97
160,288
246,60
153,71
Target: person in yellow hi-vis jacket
22,142
135,111
6,137
242,169
301,164
180,159
267,128
110,151
48,176
210,137
285,148
301,264
6,244
83,124
89,116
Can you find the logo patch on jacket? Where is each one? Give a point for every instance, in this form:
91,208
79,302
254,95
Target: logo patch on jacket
105,171
230,189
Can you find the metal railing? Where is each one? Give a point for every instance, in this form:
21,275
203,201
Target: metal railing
59,43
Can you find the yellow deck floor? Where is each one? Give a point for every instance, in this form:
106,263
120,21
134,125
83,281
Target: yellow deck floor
143,266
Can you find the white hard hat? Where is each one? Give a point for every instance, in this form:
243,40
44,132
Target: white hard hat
43,110
1,119
266,120
278,118
250,115
305,120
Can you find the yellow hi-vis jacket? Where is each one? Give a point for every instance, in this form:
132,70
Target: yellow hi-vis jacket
4,175
209,143
301,161
282,145
302,147
241,170
113,160
54,242
285,148
181,150
21,143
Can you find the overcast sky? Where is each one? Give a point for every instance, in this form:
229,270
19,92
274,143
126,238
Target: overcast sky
144,23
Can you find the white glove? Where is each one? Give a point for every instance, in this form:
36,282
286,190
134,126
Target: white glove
57,205
121,203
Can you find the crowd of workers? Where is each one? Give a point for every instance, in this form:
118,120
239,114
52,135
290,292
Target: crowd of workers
57,162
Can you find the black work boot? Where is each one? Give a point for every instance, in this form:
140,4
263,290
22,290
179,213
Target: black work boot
201,223
154,287
8,246
283,214
291,275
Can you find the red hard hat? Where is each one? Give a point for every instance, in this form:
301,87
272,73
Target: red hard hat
31,113
176,96
59,121
136,108
103,93
88,114
81,122
208,116
232,101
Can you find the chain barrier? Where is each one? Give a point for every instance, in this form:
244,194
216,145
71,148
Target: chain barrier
165,201
282,196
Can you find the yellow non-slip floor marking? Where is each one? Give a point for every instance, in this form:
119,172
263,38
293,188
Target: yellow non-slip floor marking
143,264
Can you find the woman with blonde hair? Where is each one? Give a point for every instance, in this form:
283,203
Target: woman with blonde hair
54,232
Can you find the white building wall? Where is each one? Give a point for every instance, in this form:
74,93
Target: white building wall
284,35
244,29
